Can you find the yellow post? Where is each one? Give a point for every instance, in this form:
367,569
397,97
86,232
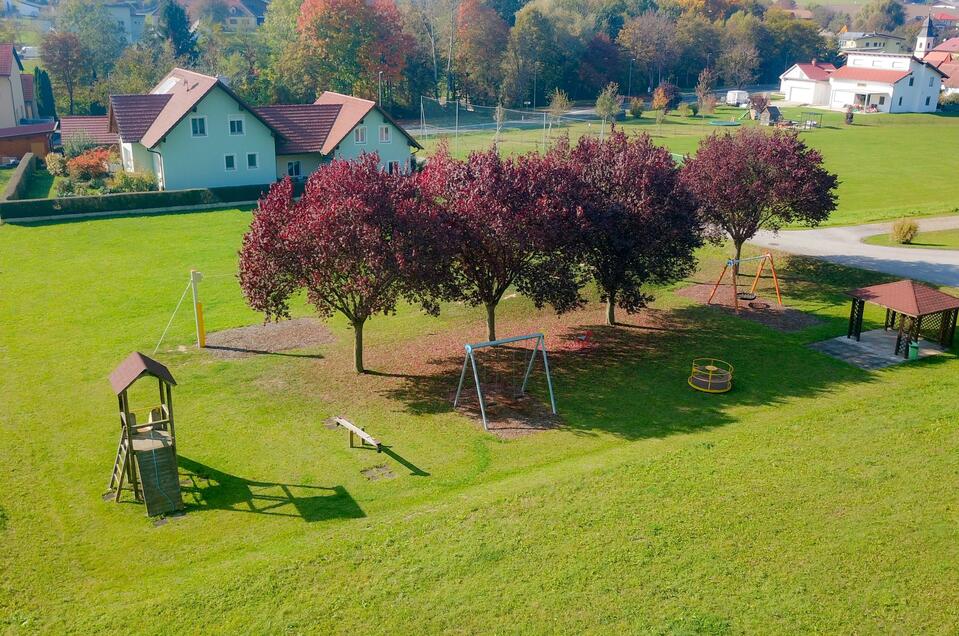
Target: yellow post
195,278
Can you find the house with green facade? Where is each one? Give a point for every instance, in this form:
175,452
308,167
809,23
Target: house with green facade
193,131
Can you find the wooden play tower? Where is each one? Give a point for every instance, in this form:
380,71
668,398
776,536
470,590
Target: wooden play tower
146,462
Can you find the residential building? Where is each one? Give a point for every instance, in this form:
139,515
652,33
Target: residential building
860,41
242,15
12,84
193,131
807,83
131,20
19,140
93,127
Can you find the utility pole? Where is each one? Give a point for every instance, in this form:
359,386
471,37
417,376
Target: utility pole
379,85
629,82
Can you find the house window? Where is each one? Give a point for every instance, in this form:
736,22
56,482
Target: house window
930,82
900,101
229,162
293,168
252,160
198,126
393,167
882,100
912,80
236,125
927,101
359,135
385,136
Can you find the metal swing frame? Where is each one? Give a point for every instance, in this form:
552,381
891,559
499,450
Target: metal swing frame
764,258
470,360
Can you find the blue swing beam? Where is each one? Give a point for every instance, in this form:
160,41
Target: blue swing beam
470,360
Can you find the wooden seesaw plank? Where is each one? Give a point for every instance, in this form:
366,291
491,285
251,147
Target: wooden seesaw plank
365,437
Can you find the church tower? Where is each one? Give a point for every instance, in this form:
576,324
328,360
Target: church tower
926,40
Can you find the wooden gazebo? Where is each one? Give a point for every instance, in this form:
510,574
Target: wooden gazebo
912,309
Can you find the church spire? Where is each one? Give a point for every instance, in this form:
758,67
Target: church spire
926,39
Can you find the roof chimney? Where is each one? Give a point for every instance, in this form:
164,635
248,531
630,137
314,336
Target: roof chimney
814,61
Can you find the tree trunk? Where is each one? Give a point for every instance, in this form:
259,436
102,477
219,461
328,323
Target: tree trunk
611,310
739,252
490,321
358,346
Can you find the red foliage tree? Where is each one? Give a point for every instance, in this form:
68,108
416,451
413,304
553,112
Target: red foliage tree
638,225
357,241
507,226
755,180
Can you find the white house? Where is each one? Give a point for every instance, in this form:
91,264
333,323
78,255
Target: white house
884,82
871,80
807,83
858,41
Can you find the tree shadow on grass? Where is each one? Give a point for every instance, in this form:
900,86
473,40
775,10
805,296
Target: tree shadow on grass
632,381
206,488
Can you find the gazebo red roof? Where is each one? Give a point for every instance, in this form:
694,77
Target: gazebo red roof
907,297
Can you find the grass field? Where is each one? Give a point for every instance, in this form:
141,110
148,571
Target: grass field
814,497
938,240
41,186
874,158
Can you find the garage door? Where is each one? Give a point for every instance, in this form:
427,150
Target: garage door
800,94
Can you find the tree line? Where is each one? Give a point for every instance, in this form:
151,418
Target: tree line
618,213
508,52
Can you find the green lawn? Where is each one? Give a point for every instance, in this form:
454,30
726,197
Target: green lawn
42,185
814,497
939,240
873,158
5,178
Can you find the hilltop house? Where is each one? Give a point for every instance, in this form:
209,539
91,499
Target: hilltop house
860,41
871,80
193,131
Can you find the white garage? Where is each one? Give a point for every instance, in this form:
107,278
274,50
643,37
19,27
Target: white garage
807,83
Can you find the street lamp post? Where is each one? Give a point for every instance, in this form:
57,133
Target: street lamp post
629,82
380,88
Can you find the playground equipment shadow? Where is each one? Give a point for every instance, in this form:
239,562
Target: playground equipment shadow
206,488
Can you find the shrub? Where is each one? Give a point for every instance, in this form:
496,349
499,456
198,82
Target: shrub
77,144
660,116
758,102
636,106
56,164
90,165
65,188
709,105
133,182
904,231
666,96
949,102
684,110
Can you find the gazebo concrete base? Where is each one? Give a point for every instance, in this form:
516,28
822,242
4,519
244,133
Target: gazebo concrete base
874,350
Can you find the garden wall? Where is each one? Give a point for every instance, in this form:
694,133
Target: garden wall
20,178
131,203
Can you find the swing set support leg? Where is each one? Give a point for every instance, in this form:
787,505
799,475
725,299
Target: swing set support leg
718,282
772,266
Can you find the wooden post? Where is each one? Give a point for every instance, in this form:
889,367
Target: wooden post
772,265
718,282
195,278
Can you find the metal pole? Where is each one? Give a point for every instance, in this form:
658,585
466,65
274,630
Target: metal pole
195,278
529,367
544,131
459,388
549,380
479,390
379,84
629,83
456,137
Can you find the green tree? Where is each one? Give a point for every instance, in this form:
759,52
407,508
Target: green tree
103,39
140,68
881,16
739,65
532,59
46,107
67,59
173,25
651,39
608,104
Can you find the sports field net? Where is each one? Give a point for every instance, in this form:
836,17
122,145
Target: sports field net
475,125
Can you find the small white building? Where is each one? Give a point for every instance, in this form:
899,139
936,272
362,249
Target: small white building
807,83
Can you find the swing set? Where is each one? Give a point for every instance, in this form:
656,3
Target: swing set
732,266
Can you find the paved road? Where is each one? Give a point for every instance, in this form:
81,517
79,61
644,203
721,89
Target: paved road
844,245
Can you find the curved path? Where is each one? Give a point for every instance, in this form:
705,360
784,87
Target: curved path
844,245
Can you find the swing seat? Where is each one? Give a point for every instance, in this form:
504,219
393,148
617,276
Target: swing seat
585,340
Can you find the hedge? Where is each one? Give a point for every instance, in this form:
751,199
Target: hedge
130,202
20,178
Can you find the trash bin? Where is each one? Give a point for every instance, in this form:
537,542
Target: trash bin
913,350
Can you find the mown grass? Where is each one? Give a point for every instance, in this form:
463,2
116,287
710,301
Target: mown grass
937,240
877,158
42,185
814,497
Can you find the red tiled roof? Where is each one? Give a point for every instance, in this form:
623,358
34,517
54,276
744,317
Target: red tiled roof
818,71
938,58
26,131
949,46
907,297
8,55
132,115
951,69
26,82
303,127
944,17
869,75
97,128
